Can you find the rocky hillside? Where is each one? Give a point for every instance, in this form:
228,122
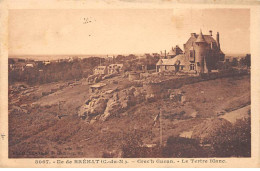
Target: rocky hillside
120,113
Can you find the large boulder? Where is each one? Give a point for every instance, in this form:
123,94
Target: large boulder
93,107
113,108
111,103
98,106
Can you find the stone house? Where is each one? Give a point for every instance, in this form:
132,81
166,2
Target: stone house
115,68
102,70
202,53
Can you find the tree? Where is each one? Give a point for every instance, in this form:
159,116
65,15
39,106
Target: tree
234,62
248,60
11,61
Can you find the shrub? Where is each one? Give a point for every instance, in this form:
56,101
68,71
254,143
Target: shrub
180,147
233,142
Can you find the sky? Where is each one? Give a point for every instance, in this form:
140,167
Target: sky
123,31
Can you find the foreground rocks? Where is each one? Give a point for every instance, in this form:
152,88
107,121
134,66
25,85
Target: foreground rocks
103,105
110,103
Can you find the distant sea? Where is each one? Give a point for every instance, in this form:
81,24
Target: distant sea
55,57
237,55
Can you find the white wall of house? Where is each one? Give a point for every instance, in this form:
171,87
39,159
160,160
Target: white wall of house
160,68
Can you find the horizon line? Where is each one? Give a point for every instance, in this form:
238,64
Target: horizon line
104,54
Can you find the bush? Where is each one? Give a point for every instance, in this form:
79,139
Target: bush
133,146
234,142
180,147
131,141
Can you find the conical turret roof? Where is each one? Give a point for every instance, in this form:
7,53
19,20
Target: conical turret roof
200,38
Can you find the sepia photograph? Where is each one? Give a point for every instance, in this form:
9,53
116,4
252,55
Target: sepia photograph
129,83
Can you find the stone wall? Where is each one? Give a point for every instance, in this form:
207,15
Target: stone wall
175,83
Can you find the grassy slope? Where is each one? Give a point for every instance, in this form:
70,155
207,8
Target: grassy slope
41,131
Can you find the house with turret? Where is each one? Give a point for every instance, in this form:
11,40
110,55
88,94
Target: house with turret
201,54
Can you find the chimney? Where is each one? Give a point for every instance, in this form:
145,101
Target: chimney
210,32
193,35
217,39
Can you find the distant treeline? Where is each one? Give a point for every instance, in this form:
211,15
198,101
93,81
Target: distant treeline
82,68
245,61
55,71
71,70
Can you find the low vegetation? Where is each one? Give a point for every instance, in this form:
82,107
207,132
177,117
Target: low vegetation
234,141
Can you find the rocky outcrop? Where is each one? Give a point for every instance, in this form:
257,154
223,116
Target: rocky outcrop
98,77
111,103
113,108
93,107
94,78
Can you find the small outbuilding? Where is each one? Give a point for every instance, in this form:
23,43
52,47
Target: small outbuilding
114,68
102,70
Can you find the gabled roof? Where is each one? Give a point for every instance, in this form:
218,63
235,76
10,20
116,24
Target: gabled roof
167,61
208,39
176,50
177,60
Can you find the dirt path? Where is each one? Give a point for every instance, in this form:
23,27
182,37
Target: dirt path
237,114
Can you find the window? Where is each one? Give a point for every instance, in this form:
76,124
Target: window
192,67
192,55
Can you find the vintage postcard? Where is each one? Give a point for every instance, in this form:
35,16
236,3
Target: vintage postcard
129,84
